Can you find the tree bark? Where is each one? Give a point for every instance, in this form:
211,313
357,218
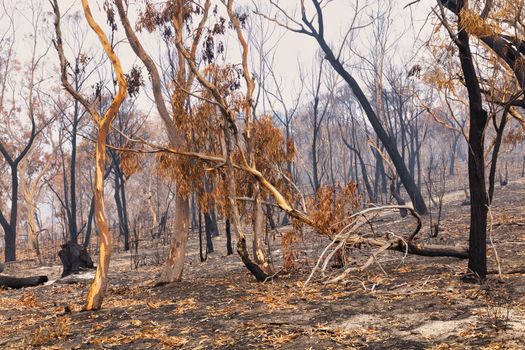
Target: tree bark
476,161
180,235
10,227
229,248
495,153
209,227
259,253
174,267
364,172
98,287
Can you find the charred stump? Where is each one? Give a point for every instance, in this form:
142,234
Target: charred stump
75,258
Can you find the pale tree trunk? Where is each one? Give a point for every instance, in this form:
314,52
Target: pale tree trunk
98,287
176,138
152,210
174,267
29,191
33,230
259,253
99,284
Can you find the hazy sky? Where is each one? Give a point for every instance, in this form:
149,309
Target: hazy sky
292,50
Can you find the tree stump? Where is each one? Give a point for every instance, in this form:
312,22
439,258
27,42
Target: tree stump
74,258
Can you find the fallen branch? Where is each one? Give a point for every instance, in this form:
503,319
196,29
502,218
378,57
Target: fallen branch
348,238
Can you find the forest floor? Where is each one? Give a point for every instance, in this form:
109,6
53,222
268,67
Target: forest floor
411,303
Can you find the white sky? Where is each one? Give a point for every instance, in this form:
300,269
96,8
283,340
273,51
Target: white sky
292,48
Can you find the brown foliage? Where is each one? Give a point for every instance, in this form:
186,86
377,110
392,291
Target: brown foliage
331,207
475,25
181,170
130,162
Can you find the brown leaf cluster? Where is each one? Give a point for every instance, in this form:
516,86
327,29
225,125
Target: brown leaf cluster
130,162
331,207
472,22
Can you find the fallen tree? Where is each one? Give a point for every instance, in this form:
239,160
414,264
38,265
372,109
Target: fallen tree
21,282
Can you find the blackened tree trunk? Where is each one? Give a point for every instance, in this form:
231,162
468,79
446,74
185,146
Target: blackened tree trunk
478,194
125,212
364,172
72,202
10,243
10,226
476,161
202,256
229,247
453,152
89,228
21,282
120,201
495,151
210,231
91,214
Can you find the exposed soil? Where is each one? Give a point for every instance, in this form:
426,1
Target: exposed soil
416,303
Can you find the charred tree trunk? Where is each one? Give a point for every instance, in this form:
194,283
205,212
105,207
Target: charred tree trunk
120,202
397,196
10,226
371,193
91,214
478,195
210,232
476,161
495,151
229,248
72,217
10,243
202,256
453,151
89,227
